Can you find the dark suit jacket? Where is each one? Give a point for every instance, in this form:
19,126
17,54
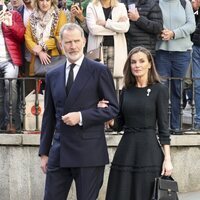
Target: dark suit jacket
79,146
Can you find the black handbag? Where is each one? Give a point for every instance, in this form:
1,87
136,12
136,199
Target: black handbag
165,188
41,69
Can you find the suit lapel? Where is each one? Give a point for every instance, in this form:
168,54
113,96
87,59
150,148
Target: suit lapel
82,78
59,83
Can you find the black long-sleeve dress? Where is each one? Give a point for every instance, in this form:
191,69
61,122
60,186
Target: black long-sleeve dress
139,157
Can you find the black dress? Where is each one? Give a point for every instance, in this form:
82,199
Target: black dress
139,157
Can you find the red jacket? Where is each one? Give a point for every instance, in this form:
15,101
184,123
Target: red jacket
14,37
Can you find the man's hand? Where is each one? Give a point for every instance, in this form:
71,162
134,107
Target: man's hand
133,15
167,34
44,161
71,119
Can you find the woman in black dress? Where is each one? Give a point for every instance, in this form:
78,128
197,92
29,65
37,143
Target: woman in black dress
140,156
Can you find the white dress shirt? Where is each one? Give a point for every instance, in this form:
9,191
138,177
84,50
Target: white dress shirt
75,70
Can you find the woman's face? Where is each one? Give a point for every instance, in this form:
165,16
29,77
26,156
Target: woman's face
44,5
140,65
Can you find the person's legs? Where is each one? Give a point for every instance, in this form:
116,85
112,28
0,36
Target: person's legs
181,61
58,180
58,183
88,182
108,57
163,63
196,74
11,71
18,114
2,113
8,90
173,64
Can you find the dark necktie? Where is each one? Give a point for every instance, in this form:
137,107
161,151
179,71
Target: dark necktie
70,78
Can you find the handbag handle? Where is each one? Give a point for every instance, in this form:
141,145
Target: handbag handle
167,177
154,197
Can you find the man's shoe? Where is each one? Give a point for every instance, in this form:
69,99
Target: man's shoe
176,132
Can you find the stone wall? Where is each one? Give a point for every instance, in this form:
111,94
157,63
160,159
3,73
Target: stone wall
22,179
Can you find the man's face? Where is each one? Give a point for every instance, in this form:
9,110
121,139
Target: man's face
27,1
195,4
16,3
72,44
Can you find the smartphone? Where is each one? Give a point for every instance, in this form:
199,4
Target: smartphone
78,2
1,7
131,7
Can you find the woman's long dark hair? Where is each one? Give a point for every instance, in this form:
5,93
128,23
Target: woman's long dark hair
129,78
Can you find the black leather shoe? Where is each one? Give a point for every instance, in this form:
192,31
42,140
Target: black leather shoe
176,132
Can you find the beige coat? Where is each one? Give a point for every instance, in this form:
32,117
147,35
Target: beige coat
113,27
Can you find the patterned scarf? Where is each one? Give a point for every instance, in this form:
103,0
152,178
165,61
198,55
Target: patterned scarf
38,19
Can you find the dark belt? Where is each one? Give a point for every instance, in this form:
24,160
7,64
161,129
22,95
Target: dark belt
137,129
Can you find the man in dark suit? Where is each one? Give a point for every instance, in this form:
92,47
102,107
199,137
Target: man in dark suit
73,145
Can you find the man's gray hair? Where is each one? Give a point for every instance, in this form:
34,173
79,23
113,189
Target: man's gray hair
71,27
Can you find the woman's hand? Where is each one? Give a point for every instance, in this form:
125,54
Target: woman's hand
103,104
122,19
37,49
45,58
109,124
167,167
101,22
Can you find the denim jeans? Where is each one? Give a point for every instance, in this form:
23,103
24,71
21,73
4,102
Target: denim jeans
196,74
7,70
173,64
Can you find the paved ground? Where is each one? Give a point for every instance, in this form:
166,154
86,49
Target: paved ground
189,196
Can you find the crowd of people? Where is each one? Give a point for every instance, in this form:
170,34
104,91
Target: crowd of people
119,26
143,40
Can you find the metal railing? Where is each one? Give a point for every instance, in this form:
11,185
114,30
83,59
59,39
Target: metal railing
31,86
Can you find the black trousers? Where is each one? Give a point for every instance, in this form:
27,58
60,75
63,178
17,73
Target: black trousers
88,181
